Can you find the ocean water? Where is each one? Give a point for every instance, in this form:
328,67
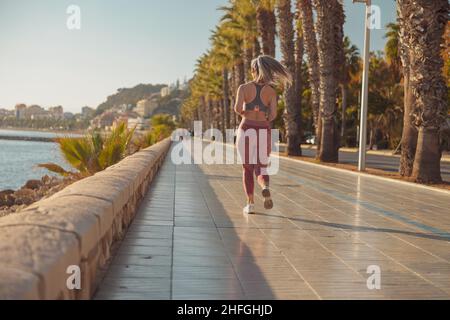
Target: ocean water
18,159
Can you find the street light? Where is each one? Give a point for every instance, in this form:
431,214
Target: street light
365,89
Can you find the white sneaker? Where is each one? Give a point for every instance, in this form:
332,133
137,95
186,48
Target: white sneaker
249,208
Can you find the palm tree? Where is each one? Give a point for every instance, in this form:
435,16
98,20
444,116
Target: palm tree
351,68
241,16
311,49
409,133
392,49
329,28
93,152
286,31
223,47
298,77
427,84
266,22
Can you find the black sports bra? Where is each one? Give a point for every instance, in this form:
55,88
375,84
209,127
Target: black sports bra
257,104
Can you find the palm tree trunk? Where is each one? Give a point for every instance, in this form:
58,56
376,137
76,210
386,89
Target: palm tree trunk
428,85
344,108
266,28
226,98
409,133
256,48
203,111
233,90
248,56
311,49
299,51
240,73
212,121
427,166
291,113
222,111
240,78
328,12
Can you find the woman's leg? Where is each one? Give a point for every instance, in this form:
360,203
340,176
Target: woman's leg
249,183
264,149
261,176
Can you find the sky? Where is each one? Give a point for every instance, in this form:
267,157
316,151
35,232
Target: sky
120,43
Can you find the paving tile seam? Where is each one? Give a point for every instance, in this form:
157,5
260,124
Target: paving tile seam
369,206
173,229
222,240
282,254
389,257
372,190
373,226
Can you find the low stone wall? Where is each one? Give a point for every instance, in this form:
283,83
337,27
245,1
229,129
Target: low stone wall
74,227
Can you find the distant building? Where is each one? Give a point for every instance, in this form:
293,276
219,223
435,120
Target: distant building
138,123
20,111
35,112
184,85
165,92
6,113
56,112
145,108
103,121
124,108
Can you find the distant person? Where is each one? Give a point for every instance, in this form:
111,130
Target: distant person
257,104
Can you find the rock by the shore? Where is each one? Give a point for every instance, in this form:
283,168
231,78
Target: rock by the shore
33,184
34,190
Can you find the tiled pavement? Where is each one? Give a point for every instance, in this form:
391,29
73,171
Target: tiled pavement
190,239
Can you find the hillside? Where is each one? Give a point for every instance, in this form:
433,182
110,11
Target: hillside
129,96
171,104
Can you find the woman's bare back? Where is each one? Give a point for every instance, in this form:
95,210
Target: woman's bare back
267,95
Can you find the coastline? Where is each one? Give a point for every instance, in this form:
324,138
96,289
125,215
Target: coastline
44,130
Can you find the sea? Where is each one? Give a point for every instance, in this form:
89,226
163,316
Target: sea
19,159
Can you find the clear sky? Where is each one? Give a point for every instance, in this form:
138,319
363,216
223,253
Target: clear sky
121,43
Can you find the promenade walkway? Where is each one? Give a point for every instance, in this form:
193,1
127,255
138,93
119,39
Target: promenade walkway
190,239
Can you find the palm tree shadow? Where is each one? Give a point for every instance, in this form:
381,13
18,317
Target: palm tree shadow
361,228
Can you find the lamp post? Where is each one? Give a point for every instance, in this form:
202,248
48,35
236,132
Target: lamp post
365,89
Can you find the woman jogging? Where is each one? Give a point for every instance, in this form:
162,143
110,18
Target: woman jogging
257,104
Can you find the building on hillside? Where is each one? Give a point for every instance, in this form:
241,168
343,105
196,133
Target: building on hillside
165,92
103,121
145,108
124,108
20,111
139,123
120,118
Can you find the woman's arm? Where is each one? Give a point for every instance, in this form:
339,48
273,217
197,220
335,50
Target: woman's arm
273,108
239,105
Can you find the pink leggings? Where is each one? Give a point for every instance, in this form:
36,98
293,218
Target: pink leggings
254,147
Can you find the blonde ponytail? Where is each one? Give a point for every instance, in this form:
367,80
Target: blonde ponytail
269,70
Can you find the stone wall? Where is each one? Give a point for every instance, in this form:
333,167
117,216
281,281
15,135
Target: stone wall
74,227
